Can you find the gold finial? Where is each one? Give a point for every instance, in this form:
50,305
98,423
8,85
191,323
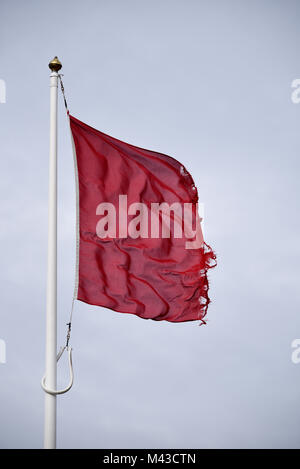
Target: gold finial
55,65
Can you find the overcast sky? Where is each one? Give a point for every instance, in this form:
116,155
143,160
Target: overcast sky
209,83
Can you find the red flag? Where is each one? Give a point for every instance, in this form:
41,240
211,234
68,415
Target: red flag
140,245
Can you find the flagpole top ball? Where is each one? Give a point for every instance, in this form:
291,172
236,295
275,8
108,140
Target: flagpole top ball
55,65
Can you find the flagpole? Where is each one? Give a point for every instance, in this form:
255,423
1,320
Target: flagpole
51,327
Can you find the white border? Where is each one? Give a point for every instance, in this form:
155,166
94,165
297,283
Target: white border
77,215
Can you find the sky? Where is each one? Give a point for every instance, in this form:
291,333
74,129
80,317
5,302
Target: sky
209,83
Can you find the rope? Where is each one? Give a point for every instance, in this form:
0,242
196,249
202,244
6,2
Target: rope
69,324
60,75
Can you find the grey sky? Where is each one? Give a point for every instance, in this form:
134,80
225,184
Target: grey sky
209,83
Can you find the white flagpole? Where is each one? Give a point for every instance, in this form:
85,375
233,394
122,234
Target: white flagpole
51,327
